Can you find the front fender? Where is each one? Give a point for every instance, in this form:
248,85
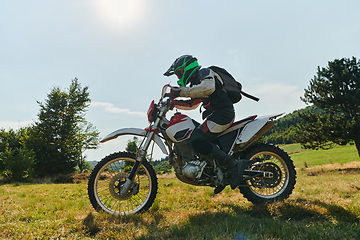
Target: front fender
137,132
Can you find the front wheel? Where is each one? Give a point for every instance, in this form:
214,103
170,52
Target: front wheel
107,179
279,180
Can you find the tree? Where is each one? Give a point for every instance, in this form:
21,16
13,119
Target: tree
336,90
16,160
162,166
285,127
133,145
62,134
87,138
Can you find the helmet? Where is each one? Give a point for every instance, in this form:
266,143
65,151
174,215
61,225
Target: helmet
184,67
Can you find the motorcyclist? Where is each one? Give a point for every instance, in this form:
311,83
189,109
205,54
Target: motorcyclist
205,86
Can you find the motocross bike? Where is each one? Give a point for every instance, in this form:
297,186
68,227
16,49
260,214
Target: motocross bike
125,182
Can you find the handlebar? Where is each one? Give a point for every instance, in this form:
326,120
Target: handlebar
165,92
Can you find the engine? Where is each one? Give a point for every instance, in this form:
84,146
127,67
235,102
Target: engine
184,150
191,168
179,131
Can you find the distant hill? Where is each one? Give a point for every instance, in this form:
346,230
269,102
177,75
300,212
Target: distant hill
283,130
92,164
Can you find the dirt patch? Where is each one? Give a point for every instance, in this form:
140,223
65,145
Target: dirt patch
346,168
72,178
347,171
172,175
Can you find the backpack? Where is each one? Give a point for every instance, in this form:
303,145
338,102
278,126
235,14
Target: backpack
232,87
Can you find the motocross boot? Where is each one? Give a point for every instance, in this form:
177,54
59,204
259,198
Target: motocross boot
235,168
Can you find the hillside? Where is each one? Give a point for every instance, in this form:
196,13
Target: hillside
283,130
92,163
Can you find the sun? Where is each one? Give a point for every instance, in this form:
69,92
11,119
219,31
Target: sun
120,14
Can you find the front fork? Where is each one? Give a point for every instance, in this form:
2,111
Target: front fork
140,158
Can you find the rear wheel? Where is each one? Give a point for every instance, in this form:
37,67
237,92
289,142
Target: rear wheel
280,178
107,179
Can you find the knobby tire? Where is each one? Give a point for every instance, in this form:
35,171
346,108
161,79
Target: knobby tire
259,191
105,183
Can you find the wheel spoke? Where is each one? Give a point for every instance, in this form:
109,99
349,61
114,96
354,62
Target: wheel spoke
106,184
274,159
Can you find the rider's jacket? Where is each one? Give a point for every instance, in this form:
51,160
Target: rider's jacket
206,87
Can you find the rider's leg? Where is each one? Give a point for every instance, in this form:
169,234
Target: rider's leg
234,167
202,143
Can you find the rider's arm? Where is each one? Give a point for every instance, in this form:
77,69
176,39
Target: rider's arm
202,90
186,104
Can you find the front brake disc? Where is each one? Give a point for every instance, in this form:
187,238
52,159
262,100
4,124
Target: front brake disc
115,187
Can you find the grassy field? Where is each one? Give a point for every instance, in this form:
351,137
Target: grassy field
324,205
343,154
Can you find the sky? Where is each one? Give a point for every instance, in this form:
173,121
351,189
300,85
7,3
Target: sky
120,50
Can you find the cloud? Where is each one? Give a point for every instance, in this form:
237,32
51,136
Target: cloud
278,91
109,107
275,98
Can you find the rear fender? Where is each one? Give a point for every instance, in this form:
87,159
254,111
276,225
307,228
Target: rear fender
136,132
255,128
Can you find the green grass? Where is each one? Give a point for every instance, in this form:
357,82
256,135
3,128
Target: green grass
31,211
340,154
325,204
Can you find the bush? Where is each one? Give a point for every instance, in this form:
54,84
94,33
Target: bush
16,161
17,164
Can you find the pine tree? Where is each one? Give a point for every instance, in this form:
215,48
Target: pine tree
336,90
